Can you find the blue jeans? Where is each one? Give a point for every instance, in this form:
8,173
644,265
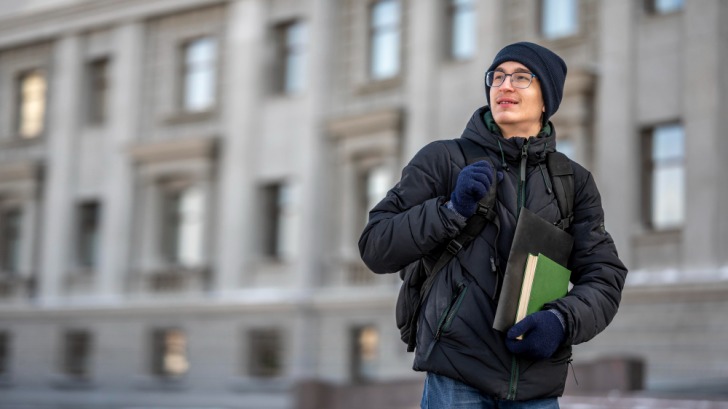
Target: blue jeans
445,393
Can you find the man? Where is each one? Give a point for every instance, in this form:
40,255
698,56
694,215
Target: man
468,363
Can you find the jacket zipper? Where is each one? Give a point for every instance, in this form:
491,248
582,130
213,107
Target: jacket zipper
513,384
522,178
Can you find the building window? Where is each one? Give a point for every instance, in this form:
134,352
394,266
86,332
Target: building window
559,18
31,104
291,70
10,241
199,66
265,353
365,350
4,353
77,354
183,225
375,185
88,234
384,39
97,91
169,353
278,224
461,22
664,157
664,6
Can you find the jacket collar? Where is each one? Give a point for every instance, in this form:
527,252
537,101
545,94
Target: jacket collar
483,130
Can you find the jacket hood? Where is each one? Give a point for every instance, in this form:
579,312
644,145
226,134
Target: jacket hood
509,149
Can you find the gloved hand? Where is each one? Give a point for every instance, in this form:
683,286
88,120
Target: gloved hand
472,185
542,334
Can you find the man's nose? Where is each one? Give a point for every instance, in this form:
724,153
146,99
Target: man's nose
507,81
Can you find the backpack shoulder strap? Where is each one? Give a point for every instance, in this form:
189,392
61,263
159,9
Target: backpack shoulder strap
562,178
484,213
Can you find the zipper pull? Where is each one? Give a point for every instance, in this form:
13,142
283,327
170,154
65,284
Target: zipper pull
573,371
524,157
496,285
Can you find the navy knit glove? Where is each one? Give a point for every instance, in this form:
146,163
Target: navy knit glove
472,185
542,333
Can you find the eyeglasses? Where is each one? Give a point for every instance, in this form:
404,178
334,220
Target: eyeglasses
520,80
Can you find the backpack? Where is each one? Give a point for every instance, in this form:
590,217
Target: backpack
418,277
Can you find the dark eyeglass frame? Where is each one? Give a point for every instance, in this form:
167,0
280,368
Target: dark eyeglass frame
490,74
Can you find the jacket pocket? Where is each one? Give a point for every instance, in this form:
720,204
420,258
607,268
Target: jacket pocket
448,315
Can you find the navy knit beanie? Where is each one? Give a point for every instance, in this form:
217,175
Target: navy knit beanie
548,67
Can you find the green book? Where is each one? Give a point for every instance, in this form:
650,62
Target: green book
544,280
534,235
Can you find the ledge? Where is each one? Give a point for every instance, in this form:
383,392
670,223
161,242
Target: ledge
161,383
20,171
70,382
174,149
368,123
709,291
184,117
261,385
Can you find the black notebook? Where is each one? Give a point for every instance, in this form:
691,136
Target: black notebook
534,235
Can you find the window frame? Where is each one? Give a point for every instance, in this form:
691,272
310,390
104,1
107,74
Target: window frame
20,102
277,200
285,50
372,34
452,9
160,349
648,177
560,36
83,222
97,90
184,71
76,365
359,372
6,343
171,222
262,343
652,9
5,240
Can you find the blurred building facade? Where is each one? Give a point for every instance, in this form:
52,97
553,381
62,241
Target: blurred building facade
183,183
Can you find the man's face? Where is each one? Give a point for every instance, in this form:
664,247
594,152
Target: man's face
516,107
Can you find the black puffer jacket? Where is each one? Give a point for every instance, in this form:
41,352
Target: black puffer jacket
412,221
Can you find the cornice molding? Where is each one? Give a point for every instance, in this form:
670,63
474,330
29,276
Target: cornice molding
17,30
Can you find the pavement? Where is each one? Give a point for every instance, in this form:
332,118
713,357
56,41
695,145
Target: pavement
616,401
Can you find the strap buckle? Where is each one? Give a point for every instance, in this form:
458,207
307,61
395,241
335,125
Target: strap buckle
482,209
454,246
485,211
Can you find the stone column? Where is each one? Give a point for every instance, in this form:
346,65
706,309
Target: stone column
701,114
616,139
722,219
311,241
62,128
421,65
244,78
117,220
